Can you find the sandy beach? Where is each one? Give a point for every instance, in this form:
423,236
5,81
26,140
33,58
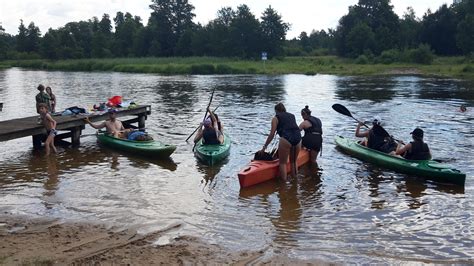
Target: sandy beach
42,241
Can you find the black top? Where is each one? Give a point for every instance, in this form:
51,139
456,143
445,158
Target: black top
376,138
286,123
419,151
316,126
209,136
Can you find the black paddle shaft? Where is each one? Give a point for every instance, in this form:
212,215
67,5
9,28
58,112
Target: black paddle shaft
205,114
343,110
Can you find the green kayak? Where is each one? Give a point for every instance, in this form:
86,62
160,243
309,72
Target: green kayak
152,148
426,168
211,154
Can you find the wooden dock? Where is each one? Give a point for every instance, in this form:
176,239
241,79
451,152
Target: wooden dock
72,124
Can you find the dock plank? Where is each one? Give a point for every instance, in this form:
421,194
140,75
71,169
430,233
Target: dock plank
27,126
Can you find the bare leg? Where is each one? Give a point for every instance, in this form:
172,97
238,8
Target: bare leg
283,152
295,150
52,145
47,144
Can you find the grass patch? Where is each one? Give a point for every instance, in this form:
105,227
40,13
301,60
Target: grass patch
308,65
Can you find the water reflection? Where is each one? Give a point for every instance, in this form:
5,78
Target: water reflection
347,212
377,89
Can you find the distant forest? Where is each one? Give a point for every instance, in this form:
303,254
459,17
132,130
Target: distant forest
370,29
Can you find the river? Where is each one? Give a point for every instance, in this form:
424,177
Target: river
347,211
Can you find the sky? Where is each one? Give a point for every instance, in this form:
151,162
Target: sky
303,15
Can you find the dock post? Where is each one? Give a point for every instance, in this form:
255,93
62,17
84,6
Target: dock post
37,139
141,121
75,136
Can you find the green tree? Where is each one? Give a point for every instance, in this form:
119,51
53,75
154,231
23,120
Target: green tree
218,33
168,22
22,38
126,30
409,29
245,34
33,38
439,31
102,37
378,16
274,32
465,34
360,39
49,45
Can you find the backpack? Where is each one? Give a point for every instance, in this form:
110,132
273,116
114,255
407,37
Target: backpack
263,156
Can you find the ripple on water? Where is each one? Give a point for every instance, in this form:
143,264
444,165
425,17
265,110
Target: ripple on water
347,211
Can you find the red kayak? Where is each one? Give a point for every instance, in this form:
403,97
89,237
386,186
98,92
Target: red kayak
260,171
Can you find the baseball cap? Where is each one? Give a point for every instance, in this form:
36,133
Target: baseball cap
112,111
418,132
377,120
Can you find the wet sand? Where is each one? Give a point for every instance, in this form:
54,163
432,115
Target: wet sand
43,241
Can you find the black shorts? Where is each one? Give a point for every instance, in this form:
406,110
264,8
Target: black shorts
293,137
313,141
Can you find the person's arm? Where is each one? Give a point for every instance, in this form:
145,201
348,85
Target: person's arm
213,119
271,135
305,124
50,119
361,134
401,149
99,126
198,134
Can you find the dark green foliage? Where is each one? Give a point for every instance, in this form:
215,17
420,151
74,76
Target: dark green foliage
421,55
203,69
362,60
468,69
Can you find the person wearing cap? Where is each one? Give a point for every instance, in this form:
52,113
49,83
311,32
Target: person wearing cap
113,126
415,150
375,136
209,131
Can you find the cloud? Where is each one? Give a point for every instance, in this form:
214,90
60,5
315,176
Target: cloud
303,15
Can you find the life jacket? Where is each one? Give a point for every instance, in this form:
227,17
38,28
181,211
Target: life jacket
419,151
316,126
376,138
209,136
286,123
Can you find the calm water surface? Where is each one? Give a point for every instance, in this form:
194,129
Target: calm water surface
348,211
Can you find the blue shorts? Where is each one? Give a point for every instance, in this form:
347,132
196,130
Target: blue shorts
51,132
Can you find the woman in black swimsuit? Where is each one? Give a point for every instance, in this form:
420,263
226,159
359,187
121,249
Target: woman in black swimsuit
313,133
289,145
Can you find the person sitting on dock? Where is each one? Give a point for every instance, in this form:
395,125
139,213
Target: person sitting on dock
210,133
50,125
112,125
375,136
415,150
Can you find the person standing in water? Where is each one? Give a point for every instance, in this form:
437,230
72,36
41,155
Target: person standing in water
313,133
284,124
50,125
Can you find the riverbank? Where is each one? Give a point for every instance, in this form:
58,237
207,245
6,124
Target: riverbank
457,67
45,241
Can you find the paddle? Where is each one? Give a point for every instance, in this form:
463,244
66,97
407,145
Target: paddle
205,114
343,110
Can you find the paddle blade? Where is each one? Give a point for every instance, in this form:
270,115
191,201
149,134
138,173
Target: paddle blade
341,109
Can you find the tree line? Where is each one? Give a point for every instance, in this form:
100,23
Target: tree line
170,31
370,29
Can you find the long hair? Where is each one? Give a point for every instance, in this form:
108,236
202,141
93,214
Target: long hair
280,108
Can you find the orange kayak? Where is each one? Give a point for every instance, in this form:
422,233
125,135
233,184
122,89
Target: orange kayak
260,171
